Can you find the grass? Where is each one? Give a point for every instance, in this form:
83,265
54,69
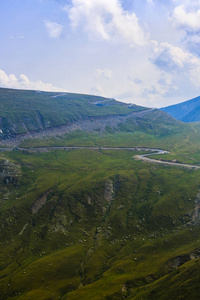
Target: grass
110,227
23,111
79,226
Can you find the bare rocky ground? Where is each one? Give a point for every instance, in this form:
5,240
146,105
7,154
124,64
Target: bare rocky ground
88,125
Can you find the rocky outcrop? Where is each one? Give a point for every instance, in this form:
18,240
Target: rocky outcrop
178,261
9,172
196,215
39,203
108,192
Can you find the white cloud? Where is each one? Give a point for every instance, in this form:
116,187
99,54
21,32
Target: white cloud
188,20
98,90
186,17
106,20
169,56
104,73
54,29
11,81
173,59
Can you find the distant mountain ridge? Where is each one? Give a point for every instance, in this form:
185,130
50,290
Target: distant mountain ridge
188,111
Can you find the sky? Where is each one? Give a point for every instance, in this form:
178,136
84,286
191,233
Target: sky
136,51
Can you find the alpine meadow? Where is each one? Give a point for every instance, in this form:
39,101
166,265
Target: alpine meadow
98,199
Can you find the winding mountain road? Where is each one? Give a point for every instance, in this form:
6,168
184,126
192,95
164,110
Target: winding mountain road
143,157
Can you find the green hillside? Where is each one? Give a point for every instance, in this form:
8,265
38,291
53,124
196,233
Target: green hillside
98,224
22,111
96,219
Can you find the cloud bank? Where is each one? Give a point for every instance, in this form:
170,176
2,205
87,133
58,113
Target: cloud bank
187,19
11,81
145,52
106,20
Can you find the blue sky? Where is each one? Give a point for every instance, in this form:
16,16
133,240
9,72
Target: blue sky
137,51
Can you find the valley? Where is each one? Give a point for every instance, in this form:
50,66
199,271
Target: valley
82,213
143,157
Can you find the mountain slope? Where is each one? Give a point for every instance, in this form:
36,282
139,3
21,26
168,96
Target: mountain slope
25,111
188,111
89,223
82,224
25,114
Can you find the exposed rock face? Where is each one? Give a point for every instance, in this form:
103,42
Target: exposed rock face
124,289
10,173
7,168
196,215
89,200
195,254
176,262
60,223
108,193
39,203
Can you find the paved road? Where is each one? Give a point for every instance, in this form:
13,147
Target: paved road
143,157
156,161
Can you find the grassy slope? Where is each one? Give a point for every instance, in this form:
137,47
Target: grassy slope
22,111
111,227
77,238
155,130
